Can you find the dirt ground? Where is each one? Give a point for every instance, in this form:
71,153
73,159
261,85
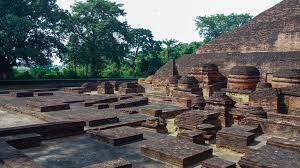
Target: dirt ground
12,119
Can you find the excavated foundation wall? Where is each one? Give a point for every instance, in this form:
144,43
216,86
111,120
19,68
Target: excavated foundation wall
266,62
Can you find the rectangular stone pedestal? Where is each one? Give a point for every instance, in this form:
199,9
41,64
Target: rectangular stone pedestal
23,141
192,136
117,136
21,94
176,152
48,106
216,162
235,138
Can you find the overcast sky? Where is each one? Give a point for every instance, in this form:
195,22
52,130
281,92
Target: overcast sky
175,18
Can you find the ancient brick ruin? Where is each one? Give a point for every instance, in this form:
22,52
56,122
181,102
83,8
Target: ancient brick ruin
234,104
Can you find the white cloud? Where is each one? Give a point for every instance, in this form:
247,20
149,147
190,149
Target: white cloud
175,18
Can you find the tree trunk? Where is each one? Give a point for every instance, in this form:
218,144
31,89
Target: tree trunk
5,69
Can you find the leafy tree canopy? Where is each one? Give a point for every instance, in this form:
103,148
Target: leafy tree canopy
29,33
210,27
97,36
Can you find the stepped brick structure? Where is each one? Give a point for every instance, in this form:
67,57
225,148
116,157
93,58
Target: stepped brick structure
243,78
105,88
209,77
268,40
220,102
265,96
277,29
235,93
188,87
286,77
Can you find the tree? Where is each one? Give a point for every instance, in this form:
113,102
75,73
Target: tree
142,44
97,36
168,52
29,33
210,27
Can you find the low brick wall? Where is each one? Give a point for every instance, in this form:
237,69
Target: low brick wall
17,84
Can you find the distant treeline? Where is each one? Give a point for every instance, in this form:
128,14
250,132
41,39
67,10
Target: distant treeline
92,40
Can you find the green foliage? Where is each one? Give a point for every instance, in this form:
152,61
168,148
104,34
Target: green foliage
173,49
29,33
96,35
92,40
143,48
213,26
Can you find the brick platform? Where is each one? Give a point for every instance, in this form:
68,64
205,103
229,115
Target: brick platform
48,130
290,144
102,106
21,94
192,136
23,141
117,136
152,112
97,120
43,93
176,152
270,156
216,162
130,103
47,106
100,101
13,158
235,138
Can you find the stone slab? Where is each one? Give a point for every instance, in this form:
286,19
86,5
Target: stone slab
152,112
192,136
100,101
47,106
235,138
290,144
43,93
216,162
102,106
23,141
270,156
97,120
130,103
117,136
47,130
21,94
176,152
13,158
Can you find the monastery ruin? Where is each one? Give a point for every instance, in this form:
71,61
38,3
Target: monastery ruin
236,103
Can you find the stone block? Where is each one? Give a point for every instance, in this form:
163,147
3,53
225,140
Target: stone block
102,106
290,144
48,106
48,130
176,152
21,94
270,156
117,136
192,136
89,103
216,162
235,138
74,89
23,141
152,112
43,93
96,120
130,103
13,158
